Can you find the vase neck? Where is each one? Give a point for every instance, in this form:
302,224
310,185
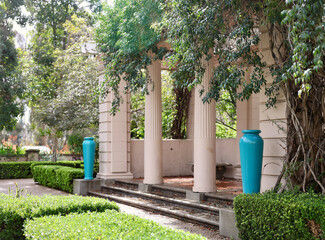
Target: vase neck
88,138
251,131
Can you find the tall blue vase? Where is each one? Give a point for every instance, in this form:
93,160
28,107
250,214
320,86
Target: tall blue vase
88,148
251,157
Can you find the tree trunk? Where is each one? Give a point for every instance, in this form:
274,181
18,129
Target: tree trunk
54,148
178,129
306,138
304,166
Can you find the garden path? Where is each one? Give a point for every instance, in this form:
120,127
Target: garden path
29,186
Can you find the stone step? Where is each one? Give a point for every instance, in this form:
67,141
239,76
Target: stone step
214,199
178,202
181,209
168,191
125,184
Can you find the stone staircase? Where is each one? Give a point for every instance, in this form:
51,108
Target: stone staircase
167,200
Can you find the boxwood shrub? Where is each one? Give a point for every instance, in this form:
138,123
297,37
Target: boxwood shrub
55,176
14,211
75,164
65,176
14,170
280,216
107,225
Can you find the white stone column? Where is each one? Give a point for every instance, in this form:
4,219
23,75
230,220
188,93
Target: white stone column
153,128
204,137
114,138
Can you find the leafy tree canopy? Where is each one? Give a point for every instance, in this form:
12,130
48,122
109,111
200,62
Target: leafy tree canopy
126,36
11,87
74,104
62,80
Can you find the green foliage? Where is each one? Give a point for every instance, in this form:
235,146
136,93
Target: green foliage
126,36
9,150
168,109
137,115
65,176
75,144
55,176
14,170
229,32
280,216
96,139
168,105
46,175
70,99
299,71
305,20
201,29
18,192
226,112
62,77
11,87
74,164
107,225
15,211
226,120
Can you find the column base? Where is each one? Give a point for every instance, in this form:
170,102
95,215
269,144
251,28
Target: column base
203,189
127,175
144,187
194,196
153,182
83,186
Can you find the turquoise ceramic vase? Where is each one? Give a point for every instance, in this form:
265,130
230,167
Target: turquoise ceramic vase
251,156
88,148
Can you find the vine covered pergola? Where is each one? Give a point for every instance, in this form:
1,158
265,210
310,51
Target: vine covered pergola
214,47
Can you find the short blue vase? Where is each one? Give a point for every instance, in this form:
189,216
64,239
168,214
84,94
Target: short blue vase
251,157
88,148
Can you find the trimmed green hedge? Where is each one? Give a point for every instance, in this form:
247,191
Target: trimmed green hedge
14,170
74,164
65,176
56,176
14,211
280,216
107,225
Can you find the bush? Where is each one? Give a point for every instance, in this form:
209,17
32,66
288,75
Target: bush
56,176
13,170
280,216
8,149
14,211
107,225
75,144
65,176
75,164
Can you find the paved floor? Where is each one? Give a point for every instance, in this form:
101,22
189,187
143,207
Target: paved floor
27,186
30,187
224,185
